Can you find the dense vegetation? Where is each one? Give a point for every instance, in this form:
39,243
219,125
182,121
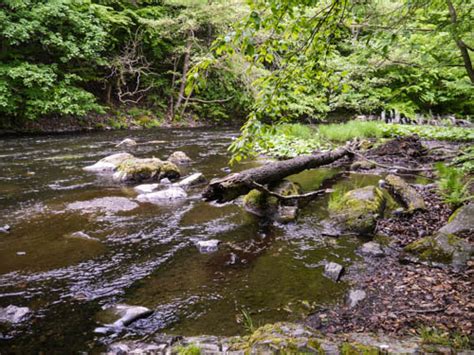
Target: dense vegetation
270,59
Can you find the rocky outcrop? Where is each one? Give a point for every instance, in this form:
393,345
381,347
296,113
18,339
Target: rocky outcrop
404,193
356,211
179,158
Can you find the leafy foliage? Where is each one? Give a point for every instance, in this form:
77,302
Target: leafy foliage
453,185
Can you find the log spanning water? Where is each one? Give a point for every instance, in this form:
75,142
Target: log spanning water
237,184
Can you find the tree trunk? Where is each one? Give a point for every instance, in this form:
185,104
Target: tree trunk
187,56
236,184
460,43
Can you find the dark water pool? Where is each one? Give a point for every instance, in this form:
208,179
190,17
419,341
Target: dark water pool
147,255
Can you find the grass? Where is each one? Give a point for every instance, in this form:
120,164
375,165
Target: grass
350,130
433,336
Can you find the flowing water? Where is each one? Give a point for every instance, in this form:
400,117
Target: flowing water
145,254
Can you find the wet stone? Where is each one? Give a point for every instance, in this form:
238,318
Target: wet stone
333,271
108,164
13,314
5,229
81,235
128,142
372,249
179,157
121,315
172,193
146,188
192,180
208,246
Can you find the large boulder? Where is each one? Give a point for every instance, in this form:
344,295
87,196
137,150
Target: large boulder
441,249
151,169
461,221
404,193
108,164
357,210
261,204
179,157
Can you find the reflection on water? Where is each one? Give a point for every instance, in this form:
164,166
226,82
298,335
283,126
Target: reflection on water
145,254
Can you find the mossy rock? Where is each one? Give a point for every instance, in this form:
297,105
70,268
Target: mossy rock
152,169
461,221
278,338
404,193
357,210
260,204
358,349
442,248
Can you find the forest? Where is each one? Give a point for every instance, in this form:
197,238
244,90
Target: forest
236,176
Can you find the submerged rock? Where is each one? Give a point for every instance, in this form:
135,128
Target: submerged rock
333,271
404,193
372,249
81,235
108,164
146,188
121,315
103,204
138,170
179,157
358,210
355,296
127,142
13,314
192,180
172,193
208,246
442,248
461,221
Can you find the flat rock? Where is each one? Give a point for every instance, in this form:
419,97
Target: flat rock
108,164
333,271
192,180
372,249
103,204
122,315
355,296
208,246
172,193
13,314
146,188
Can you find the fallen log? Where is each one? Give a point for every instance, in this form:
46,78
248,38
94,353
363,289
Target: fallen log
237,184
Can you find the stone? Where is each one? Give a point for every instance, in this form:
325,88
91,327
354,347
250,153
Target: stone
442,249
372,249
192,180
333,271
172,193
357,211
108,164
127,142
179,157
122,315
5,229
362,165
146,188
136,170
286,214
13,314
208,246
103,204
81,235
355,296
404,193
461,221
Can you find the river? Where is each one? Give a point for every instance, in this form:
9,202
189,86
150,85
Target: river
147,255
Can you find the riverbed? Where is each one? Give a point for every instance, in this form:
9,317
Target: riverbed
145,254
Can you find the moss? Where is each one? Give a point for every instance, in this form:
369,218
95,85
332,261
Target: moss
255,202
358,349
427,249
188,350
169,170
406,194
135,169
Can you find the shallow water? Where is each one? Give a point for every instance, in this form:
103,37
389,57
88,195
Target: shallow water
144,254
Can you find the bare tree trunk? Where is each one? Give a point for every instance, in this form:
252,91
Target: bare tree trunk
170,112
460,43
234,185
187,56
